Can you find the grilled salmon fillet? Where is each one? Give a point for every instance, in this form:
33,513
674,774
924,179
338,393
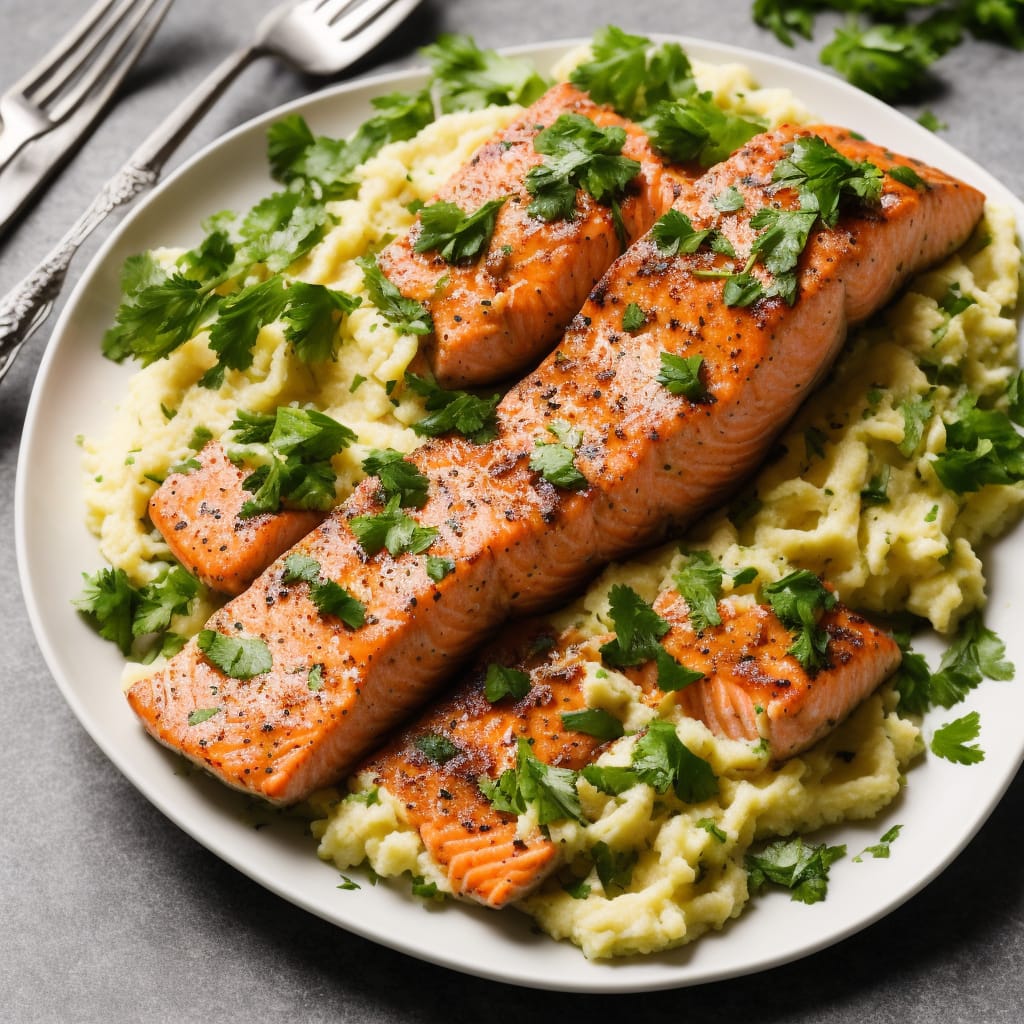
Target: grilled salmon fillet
752,689
649,461
500,313
198,513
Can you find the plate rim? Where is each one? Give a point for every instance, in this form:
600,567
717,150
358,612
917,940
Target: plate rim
615,977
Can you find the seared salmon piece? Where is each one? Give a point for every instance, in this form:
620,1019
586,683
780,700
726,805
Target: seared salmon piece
197,512
504,310
752,689
479,847
649,461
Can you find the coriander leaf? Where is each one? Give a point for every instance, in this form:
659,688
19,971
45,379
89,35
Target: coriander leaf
468,78
331,598
742,290
315,678
407,316
673,233
397,476
913,683
439,567
173,592
200,715
240,657
210,261
699,582
633,318
392,529
312,317
1015,397
976,653
681,375
612,779
551,790
436,747
876,490
631,76
505,682
581,155
309,434
927,119
673,676
881,849
711,827
473,417
780,244
287,141
952,740
638,629
459,237
139,272
423,889
729,200
916,413
253,427
281,228
110,600
696,128
797,866
614,867
909,177
594,722
798,599
664,762
982,448
241,318
1000,20
347,884
556,463
783,17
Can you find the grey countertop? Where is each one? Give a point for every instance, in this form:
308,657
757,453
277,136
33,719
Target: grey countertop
109,913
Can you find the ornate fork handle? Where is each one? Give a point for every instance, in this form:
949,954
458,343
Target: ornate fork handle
23,309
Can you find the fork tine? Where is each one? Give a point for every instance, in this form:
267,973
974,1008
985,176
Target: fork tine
331,9
118,54
359,17
54,60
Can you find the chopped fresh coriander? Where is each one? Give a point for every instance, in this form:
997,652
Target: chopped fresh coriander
711,827
407,316
280,229
814,442
631,75
1015,397
315,678
200,437
468,78
952,741
783,17
436,747
392,529
795,865
240,657
300,567
594,722
699,583
581,155
347,884
438,567
397,476
557,464
331,598
798,600
504,682
423,889
638,629
551,790
475,418
976,653
742,290
982,447
881,849
171,593
612,779
312,317
927,119
458,236
367,797
633,318
578,889
729,200
308,434
674,233
664,762
201,715
876,491
614,867
916,414
908,176
681,375
913,683
696,128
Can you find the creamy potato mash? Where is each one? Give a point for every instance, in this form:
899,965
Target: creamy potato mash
915,551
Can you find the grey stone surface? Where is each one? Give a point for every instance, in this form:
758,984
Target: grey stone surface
109,913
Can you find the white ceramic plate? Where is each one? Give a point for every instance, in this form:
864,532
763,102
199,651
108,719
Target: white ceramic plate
944,804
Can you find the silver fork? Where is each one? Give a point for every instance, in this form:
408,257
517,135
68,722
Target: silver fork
318,37
80,73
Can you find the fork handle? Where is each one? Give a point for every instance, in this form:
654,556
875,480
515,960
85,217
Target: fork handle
28,304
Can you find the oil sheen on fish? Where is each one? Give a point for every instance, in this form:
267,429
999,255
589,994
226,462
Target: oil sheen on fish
649,462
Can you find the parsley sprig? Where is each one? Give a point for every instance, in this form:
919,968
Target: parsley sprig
550,790
459,411
794,865
799,599
329,597
458,236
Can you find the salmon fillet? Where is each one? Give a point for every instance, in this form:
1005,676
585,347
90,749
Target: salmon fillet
500,313
649,460
752,689
197,512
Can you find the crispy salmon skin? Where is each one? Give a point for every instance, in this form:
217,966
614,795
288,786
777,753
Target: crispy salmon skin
752,688
646,460
501,312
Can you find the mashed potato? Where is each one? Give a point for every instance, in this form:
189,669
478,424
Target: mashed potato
909,547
